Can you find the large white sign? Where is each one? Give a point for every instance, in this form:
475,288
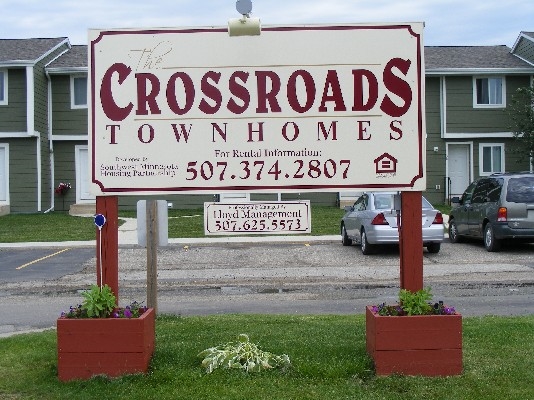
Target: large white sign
298,108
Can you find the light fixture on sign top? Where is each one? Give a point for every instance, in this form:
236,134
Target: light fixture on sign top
244,26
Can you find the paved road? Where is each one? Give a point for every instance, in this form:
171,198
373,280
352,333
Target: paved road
284,277
19,264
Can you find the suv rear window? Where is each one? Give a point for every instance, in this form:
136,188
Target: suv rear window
521,190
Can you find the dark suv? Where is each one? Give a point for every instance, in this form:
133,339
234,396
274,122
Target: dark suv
494,208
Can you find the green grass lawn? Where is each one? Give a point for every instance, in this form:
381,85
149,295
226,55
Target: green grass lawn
59,226
327,355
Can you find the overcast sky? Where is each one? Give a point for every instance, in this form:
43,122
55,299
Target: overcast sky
447,22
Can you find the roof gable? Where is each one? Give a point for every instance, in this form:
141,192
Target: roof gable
524,47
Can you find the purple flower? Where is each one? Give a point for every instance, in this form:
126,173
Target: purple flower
127,313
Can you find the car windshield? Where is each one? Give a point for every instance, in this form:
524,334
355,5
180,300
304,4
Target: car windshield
521,190
383,201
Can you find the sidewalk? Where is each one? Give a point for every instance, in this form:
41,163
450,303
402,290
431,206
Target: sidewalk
128,237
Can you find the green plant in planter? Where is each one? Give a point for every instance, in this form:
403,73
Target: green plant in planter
416,303
98,302
101,303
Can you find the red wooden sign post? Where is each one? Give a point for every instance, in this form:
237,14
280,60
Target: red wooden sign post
107,243
410,240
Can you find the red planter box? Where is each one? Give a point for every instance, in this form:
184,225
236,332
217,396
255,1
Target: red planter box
104,346
429,345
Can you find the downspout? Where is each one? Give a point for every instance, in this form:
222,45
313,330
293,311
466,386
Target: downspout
30,126
50,144
49,123
443,129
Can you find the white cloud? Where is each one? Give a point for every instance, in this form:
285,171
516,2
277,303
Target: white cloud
448,22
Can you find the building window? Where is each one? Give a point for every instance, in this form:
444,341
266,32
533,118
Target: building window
78,91
3,86
491,158
489,92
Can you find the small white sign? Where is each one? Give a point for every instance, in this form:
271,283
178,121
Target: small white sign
257,217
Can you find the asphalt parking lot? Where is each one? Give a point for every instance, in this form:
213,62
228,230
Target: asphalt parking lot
314,276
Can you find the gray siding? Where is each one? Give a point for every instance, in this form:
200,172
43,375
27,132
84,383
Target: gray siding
511,159
41,126
462,117
263,197
512,84
23,157
184,201
435,161
525,49
316,198
13,115
65,171
23,176
66,120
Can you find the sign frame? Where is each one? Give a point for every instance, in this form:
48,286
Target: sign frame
121,164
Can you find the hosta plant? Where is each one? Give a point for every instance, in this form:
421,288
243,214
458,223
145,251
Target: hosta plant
414,303
243,355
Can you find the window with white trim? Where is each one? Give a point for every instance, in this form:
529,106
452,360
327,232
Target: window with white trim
3,86
491,158
78,91
489,92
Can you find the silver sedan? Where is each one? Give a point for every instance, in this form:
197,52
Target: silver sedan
372,220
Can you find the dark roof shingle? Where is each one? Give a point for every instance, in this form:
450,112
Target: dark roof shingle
471,57
76,57
436,57
26,50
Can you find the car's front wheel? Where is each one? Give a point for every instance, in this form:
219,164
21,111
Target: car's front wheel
366,247
490,242
345,240
453,232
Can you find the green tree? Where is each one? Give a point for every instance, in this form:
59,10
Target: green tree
521,113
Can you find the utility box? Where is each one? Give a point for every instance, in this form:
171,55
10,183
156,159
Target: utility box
162,222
